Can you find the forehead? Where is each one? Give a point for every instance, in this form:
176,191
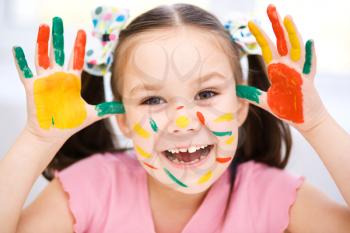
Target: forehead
181,53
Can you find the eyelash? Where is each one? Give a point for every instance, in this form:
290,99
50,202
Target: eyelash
146,102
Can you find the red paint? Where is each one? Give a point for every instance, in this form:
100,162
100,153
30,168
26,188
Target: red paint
278,30
201,117
79,50
43,45
149,165
284,95
179,107
223,159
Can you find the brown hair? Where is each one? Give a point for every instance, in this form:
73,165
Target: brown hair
262,137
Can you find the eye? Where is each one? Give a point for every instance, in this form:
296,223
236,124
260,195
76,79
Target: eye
207,94
153,100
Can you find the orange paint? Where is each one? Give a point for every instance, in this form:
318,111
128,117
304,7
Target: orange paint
201,117
223,159
43,45
284,95
149,165
278,30
79,50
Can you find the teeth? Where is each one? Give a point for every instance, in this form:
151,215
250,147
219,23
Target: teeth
190,149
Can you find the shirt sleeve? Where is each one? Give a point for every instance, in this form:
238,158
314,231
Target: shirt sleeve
275,193
81,181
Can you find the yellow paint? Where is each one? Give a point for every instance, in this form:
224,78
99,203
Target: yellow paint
295,52
205,177
58,101
260,38
141,131
230,140
182,121
142,152
224,117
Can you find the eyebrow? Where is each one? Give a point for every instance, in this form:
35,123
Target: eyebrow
203,79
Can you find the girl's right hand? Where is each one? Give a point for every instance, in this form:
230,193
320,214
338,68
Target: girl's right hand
55,107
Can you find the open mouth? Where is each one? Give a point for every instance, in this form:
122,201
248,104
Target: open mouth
188,157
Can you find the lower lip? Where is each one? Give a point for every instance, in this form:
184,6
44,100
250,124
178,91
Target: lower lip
193,165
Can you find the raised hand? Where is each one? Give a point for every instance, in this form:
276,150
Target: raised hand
291,69
54,102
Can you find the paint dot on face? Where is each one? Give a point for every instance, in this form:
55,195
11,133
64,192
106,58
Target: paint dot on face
98,10
182,121
201,117
89,52
179,107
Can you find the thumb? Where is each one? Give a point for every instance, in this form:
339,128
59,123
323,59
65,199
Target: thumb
253,95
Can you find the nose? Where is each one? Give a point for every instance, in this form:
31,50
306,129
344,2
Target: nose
184,121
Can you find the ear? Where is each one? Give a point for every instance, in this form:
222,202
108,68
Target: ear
242,111
123,126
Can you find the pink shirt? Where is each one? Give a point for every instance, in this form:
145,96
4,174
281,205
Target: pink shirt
108,193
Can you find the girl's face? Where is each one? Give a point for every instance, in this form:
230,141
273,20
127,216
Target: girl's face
182,112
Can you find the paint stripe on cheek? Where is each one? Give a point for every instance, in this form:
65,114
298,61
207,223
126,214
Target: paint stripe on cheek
153,125
221,134
223,159
149,165
141,131
201,118
174,178
230,140
224,117
142,152
205,177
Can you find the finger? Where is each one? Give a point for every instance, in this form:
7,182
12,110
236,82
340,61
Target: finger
113,107
58,41
310,59
253,95
42,60
296,42
278,30
21,63
266,45
77,61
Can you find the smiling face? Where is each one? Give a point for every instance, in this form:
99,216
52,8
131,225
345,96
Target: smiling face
182,112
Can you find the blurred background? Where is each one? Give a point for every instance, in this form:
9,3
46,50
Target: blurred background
327,22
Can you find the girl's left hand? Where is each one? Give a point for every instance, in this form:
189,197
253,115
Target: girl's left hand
291,69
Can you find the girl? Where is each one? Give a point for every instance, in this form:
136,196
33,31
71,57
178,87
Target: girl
204,160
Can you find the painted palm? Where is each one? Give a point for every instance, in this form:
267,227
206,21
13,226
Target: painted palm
53,96
291,69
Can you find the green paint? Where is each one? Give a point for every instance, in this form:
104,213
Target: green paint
52,121
248,92
57,40
112,107
174,178
22,62
308,57
153,125
221,134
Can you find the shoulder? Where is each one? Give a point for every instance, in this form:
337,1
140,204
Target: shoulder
313,211
270,193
